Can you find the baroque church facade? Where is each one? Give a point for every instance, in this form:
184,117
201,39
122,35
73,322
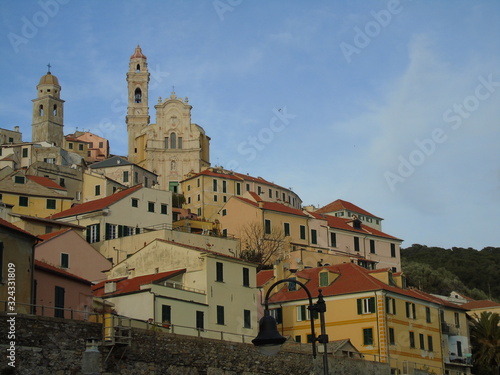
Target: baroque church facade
171,147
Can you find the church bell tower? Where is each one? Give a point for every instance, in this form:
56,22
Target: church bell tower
48,115
137,109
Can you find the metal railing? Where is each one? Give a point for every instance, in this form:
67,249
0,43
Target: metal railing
51,311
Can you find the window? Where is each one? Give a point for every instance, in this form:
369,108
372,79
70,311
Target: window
98,190
166,313
23,201
200,320
59,302
136,178
356,243
138,95
372,246
302,232
101,144
111,231
219,271
64,260
80,147
246,276
277,314
224,186
220,315
93,234
459,349
286,229
428,314
298,338
390,305
412,339
422,341
163,209
19,179
314,236
270,193
51,204
179,142
356,224
135,202
367,336
125,176
366,305
411,310
430,344
214,185
247,319
333,239
393,250
302,313
62,182
267,226
392,339
215,198
323,279
151,206
224,212
166,142
238,188
25,152
248,187
457,320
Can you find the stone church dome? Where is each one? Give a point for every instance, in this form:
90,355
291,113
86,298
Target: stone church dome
49,79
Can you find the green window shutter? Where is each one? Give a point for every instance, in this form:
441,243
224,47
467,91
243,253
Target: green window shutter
106,235
360,306
407,309
120,231
98,233
88,233
371,304
279,315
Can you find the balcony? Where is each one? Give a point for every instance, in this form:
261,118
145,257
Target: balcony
450,329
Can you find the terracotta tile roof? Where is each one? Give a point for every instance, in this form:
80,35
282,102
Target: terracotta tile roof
482,304
11,226
125,285
272,206
46,182
97,204
60,272
352,279
343,223
340,205
264,276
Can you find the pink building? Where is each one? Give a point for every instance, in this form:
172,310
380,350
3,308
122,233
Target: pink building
60,294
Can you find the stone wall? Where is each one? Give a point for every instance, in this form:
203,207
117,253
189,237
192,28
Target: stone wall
52,346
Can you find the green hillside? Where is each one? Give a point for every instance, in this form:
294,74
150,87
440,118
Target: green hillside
469,271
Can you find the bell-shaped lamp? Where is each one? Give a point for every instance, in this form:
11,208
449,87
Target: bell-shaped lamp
268,340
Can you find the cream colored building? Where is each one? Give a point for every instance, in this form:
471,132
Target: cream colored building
96,186
125,172
10,136
209,291
208,191
121,214
171,147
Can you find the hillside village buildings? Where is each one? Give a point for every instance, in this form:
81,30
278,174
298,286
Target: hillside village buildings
158,235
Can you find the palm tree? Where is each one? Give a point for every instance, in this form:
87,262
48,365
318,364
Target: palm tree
485,337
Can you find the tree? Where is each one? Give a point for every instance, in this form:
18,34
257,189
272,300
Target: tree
259,246
485,338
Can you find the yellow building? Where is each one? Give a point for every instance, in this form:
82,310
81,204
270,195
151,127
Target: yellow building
206,192
384,321
311,238
33,195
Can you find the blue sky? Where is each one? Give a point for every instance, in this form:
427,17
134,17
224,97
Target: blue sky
391,105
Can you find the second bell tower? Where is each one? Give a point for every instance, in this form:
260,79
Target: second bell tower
137,109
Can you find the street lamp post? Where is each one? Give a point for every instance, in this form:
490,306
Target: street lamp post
270,340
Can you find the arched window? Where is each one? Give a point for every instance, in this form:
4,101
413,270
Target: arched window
138,68
40,110
173,140
54,112
138,95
